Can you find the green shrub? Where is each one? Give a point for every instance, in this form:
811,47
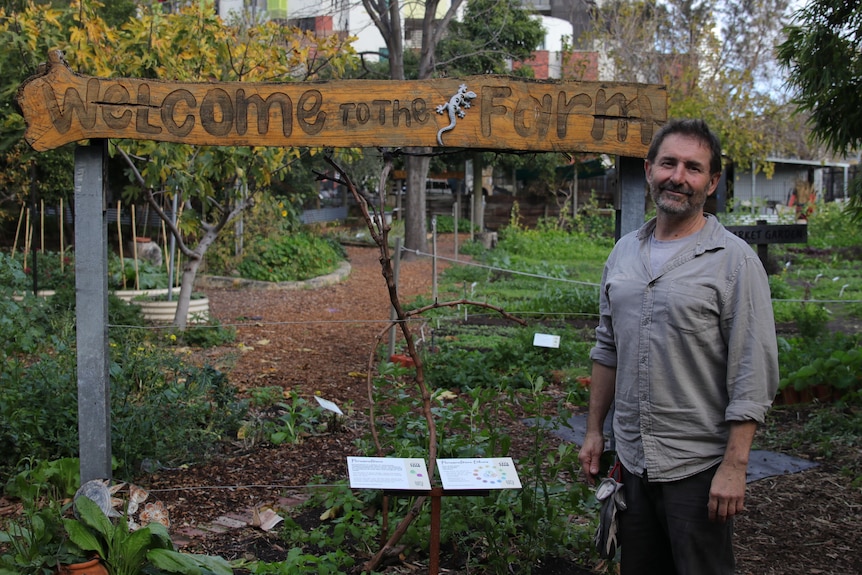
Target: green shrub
811,320
292,257
125,274
162,410
52,270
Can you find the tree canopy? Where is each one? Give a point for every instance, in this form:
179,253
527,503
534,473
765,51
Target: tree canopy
714,57
822,54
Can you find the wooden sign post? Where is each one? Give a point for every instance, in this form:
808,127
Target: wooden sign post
485,112
481,112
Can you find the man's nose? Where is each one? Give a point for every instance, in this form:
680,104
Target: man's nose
677,176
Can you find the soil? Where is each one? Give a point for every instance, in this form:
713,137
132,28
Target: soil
318,342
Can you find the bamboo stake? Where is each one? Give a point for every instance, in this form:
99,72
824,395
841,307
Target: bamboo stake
120,240
61,217
135,249
18,228
42,227
28,235
166,255
177,279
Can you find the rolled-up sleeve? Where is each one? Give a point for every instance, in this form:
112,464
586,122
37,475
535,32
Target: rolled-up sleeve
752,349
605,350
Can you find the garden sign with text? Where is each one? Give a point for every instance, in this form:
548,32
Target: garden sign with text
483,112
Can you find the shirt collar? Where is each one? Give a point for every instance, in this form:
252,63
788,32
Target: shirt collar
711,237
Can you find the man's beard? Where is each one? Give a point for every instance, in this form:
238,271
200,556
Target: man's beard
693,202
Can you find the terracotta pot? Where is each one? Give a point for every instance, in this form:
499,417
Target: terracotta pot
823,392
789,396
92,567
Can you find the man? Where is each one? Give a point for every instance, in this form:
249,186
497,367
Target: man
686,352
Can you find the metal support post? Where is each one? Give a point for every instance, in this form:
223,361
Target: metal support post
91,300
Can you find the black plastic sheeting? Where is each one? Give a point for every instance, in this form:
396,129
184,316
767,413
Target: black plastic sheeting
761,464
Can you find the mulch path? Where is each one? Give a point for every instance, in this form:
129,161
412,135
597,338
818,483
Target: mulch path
318,342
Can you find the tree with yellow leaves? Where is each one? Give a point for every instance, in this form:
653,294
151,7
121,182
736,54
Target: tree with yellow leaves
212,184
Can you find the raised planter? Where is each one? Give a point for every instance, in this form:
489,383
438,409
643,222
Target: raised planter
130,294
163,311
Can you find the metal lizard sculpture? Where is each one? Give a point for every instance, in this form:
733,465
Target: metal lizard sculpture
456,106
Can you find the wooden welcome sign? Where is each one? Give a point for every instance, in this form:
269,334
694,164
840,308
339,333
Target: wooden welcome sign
485,112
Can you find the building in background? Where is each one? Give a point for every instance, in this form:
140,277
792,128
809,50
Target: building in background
561,56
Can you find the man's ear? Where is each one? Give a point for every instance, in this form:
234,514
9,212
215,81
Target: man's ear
713,183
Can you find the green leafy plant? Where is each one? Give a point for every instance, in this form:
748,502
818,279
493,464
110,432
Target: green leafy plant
34,542
834,363
58,477
127,552
126,274
296,418
205,334
292,257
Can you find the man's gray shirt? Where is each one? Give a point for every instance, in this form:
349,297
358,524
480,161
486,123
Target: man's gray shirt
694,348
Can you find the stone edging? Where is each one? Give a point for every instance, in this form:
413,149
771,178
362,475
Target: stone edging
223,282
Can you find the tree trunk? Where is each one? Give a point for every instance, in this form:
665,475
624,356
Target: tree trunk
415,228
478,208
190,270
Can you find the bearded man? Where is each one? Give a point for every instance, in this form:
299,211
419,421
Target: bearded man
686,353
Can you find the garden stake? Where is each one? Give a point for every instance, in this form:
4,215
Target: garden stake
120,241
18,229
62,243
135,249
434,258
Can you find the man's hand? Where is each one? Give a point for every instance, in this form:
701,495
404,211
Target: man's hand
590,455
727,492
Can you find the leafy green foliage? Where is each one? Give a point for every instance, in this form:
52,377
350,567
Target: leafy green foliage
491,33
821,53
52,270
126,274
210,333
446,225
33,543
59,478
162,409
128,552
507,526
827,360
823,62
292,257
280,417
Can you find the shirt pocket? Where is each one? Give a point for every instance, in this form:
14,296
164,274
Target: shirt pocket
692,308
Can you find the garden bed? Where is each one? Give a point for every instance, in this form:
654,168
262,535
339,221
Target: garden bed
317,342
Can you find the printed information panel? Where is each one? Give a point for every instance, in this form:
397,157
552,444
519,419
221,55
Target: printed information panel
479,473
388,473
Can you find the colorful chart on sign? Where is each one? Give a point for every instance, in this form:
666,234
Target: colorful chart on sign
480,473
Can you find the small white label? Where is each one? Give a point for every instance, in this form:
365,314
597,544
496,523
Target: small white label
546,340
388,473
328,405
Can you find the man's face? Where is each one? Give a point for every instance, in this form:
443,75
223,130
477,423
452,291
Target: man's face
679,179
